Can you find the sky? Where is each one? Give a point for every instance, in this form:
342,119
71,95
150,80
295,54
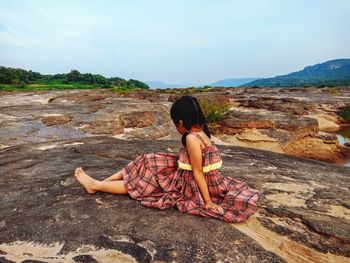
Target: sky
178,41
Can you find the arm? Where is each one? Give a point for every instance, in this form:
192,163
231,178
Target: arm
195,154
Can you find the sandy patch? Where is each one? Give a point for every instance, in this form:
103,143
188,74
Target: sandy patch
285,248
46,147
4,146
254,139
289,187
254,135
20,251
74,143
51,114
339,211
325,122
285,199
8,117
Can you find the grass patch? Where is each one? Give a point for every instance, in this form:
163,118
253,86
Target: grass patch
124,89
190,90
168,91
345,113
333,90
214,110
185,91
345,132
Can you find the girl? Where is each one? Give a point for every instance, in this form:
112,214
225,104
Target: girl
189,180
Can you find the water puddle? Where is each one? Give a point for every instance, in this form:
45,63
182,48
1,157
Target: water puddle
343,136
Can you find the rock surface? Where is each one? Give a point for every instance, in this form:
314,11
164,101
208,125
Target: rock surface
46,215
295,121
48,115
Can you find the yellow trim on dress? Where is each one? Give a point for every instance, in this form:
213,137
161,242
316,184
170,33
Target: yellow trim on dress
206,168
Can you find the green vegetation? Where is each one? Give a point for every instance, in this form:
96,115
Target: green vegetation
345,113
330,73
169,91
214,110
10,87
194,89
345,132
188,90
16,78
121,89
307,85
333,90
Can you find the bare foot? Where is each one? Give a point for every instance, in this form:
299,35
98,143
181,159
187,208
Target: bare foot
88,182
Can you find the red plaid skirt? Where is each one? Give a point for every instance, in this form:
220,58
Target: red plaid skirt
156,180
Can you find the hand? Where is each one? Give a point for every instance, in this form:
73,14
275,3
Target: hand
213,206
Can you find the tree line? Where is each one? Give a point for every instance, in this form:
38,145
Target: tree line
18,77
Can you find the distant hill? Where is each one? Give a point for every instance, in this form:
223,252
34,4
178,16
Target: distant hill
232,82
161,85
332,73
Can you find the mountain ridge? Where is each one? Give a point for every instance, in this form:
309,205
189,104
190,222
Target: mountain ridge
334,72
232,82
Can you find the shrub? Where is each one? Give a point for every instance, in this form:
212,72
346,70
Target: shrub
345,113
121,89
167,91
190,90
214,110
333,90
106,86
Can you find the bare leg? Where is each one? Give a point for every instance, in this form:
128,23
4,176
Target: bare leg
116,176
113,187
92,185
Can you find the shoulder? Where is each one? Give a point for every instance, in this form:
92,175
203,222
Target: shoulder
193,144
192,139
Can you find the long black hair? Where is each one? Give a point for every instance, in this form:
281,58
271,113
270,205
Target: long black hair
187,109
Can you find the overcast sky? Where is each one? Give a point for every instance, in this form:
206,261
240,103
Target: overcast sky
178,41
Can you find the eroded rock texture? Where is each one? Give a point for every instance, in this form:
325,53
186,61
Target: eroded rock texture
295,121
42,116
46,215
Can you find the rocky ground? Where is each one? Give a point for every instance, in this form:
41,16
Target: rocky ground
42,116
46,215
304,210
295,121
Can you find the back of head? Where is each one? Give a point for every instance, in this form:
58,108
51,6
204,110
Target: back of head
188,109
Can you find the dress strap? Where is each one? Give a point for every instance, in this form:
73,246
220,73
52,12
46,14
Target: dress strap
200,137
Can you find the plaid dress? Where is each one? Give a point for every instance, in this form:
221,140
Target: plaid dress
162,180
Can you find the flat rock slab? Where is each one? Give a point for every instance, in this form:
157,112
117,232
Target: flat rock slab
38,116
46,215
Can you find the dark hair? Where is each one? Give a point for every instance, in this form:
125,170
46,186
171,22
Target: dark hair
188,110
